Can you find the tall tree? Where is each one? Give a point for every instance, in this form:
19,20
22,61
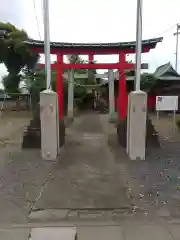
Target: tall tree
16,55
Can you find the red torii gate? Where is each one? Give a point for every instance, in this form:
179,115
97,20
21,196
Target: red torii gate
61,49
122,99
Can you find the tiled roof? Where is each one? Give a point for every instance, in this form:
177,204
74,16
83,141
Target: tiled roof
161,70
119,45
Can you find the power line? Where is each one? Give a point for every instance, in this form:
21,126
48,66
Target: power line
165,31
37,20
42,9
160,33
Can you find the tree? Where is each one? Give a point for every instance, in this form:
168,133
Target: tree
75,59
11,83
16,55
148,81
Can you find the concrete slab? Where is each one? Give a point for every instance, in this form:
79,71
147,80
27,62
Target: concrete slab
100,233
48,215
67,233
15,234
10,212
148,232
86,177
175,231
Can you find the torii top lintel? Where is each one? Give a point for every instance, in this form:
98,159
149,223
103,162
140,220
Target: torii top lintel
93,48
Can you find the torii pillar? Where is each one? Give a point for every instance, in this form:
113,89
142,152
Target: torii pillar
111,95
70,107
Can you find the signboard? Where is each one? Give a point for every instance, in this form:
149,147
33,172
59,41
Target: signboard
166,103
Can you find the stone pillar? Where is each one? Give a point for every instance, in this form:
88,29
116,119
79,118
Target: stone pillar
136,125
59,86
111,95
49,125
122,100
70,110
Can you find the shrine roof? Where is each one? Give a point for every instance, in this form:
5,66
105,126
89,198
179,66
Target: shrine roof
166,72
151,43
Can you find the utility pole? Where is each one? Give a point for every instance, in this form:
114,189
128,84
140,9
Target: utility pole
137,103
50,143
177,43
138,44
47,44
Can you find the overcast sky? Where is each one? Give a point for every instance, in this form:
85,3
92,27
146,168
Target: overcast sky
100,21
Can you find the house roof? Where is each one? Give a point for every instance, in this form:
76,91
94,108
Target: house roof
166,72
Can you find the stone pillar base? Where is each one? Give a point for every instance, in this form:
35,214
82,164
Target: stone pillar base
113,118
32,136
69,121
152,139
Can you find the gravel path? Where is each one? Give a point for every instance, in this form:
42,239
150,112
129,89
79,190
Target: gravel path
155,182
22,173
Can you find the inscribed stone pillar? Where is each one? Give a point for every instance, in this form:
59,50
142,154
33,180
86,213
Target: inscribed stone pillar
49,125
136,125
111,95
70,110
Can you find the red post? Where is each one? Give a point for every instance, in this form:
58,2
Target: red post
122,101
91,58
59,85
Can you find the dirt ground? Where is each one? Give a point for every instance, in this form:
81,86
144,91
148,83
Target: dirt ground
12,126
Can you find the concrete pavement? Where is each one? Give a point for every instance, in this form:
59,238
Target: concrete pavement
87,176
125,231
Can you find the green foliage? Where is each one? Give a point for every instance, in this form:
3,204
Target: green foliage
148,81
11,83
76,59
16,55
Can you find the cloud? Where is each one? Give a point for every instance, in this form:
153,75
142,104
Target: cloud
100,21
12,11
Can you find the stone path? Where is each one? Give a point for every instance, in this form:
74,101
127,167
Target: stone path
125,231
87,176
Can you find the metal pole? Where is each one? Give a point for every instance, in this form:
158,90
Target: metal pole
47,44
177,41
138,44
